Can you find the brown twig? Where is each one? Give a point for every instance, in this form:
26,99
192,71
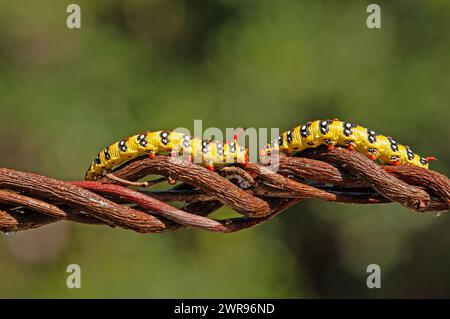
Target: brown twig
50,189
151,204
30,200
387,185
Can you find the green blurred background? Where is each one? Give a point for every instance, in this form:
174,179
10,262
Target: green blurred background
135,65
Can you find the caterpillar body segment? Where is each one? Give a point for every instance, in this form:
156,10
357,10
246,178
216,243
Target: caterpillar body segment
334,132
208,153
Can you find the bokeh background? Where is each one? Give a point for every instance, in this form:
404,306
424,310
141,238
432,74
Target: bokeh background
159,64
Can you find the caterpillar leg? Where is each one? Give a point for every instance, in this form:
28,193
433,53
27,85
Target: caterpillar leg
329,144
349,144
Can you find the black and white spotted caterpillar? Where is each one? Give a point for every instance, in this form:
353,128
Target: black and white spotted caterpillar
335,132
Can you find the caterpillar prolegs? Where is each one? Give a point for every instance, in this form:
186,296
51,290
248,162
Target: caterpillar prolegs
208,153
335,132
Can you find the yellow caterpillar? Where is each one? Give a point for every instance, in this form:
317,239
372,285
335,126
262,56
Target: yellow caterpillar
208,153
335,132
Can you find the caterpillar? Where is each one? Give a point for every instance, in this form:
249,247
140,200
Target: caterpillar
151,143
335,132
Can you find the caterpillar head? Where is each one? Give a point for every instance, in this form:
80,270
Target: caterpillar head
90,175
93,173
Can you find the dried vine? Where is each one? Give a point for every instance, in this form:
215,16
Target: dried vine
256,191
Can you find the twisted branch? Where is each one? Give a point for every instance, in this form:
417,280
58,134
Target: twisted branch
29,200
